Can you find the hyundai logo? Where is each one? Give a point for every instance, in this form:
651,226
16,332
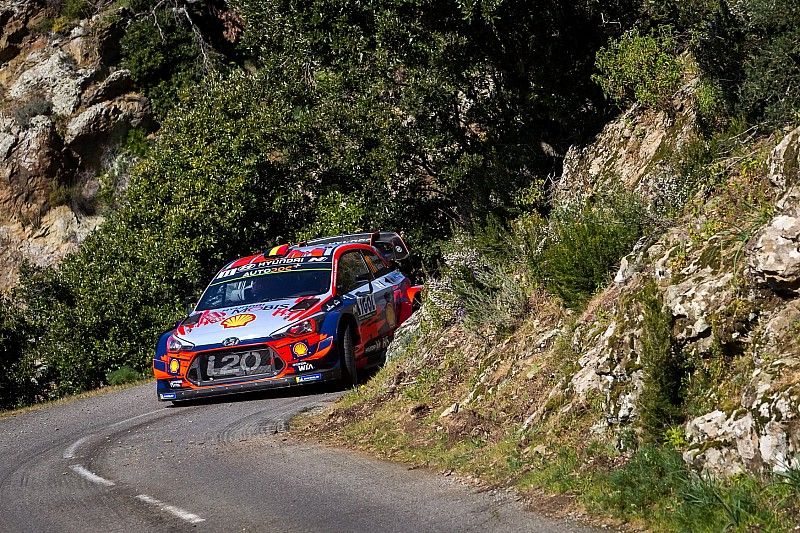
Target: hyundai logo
230,341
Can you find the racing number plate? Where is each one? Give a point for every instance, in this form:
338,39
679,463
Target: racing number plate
239,364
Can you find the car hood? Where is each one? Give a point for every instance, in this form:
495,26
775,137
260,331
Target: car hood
244,323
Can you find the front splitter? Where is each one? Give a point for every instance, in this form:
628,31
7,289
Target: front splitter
166,394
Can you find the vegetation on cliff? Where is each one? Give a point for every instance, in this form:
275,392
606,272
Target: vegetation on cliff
450,121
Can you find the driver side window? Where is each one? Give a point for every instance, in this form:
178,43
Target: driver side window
352,272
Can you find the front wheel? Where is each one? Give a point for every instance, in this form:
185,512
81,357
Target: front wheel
347,355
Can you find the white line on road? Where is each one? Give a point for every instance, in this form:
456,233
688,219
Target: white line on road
91,476
72,450
175,511
69,453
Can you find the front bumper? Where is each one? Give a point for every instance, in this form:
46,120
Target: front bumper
167,394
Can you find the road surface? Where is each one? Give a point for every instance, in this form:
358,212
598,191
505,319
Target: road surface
124,462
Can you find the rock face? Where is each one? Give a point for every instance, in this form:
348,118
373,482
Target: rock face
66,109
632,150
32,165
732,310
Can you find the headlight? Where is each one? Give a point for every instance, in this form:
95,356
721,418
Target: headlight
303,327
175,345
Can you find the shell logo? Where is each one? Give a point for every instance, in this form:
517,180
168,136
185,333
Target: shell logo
237,321
300,349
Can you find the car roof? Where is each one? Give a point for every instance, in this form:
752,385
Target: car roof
295,251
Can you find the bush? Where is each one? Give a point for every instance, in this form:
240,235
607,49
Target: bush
664,368
33,107
586,245
163,57
751,51
123,375
16,375
640,68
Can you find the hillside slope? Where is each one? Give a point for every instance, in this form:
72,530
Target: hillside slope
691,350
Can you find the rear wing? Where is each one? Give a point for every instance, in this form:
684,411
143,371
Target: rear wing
388,243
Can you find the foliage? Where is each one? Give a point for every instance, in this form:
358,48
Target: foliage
663,368
33,106
587,244
13,386
163,56
124,374
640,68
750,49
75,9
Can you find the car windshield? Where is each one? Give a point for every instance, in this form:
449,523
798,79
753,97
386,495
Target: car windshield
265,287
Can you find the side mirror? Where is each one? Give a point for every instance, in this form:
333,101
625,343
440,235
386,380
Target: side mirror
189,304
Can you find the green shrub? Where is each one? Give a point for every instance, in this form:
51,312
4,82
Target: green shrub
664,368
652,478
124,374
587,244
32,107
15,379
75,9
163,57
750,49
640,68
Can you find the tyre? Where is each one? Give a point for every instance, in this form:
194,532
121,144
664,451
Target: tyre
347,355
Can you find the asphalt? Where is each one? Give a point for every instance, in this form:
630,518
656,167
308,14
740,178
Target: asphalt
126,462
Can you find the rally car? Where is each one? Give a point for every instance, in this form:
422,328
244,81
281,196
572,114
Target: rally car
317,311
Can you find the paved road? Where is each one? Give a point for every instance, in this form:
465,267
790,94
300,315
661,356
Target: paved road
125,462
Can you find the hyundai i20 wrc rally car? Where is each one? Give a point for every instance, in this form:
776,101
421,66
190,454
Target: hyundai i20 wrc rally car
317,311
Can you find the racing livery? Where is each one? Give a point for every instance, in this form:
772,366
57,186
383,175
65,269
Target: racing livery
317,311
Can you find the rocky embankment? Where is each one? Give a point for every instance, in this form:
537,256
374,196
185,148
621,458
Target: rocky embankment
705,313
729,281
65,109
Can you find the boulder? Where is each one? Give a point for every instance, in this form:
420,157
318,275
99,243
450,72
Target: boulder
55,78
14,17
774,257
629,153
31,164
784,161
104,124
116,84
59,233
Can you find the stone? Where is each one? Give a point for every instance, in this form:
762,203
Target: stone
625,155
31,165
105,124
116,84
60,232
55,78
774,258
784,161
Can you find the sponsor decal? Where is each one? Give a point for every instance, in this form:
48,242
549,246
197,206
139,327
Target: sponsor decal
237,321
268,266
377,345
174,366
365,305
167,395
391,315
211,317
310,377
300,349
303,367
332,304
176,384
231,341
